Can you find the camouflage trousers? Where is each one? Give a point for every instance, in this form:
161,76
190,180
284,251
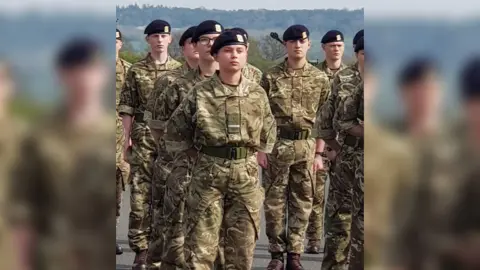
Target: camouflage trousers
338,220
315,222
214,179
357,242
289,186
141,166
161,170
122,170
173,213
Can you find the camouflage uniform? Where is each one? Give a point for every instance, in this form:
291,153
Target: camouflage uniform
169,176
295,96
315,222
58,182
121,68
228,125
252,73
133,100
338,217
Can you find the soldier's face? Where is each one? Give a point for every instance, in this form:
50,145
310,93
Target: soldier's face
189,50
204,45
159,42
422,99
334,50
297,49
232,58
119,43
6,84
84,82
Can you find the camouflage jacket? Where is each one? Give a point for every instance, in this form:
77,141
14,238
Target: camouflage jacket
295,95
121,69
324,121
323,66
252,73
214,114
139,84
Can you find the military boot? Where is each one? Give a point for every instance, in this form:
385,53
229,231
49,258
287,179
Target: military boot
277,262
119,250
140,262
313,247
293,262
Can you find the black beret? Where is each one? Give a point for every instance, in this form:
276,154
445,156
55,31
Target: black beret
227,38
157,27
240,30
78,52
186,35
357,36
296,32
119,34
207,27
359,45
416,70
332,36
470,79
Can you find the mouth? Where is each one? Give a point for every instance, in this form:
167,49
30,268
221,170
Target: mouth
234,63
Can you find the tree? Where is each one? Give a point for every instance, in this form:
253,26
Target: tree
174,49
271,49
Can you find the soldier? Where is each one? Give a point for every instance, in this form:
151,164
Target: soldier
188,50
169,247
133,100
333,47
338,215
64,165
296,89
250,71
227,118
121,68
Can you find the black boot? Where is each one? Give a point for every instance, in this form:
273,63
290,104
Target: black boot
277,262
140,262
119,250
293,262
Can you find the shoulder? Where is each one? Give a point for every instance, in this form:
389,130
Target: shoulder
125,63
274,71
174,64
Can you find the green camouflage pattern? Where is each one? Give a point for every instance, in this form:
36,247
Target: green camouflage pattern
323,66
252,73
122,172
133,99
339,205
294,96
214,114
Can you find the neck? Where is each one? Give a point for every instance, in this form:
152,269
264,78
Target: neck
81,115
192,63
360,69
159,57
421,127
333,64
231,78
208,68
296,64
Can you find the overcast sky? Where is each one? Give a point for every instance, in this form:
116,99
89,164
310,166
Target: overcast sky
421,8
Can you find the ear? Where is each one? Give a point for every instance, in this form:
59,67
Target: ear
146,39
170,39
323,47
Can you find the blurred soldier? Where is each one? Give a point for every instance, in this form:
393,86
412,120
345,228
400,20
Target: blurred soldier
133,100
121,68
333,47
249,71
64,202
9,143
173,172
228,119
296,89
338,216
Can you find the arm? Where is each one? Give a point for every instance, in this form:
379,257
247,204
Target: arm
324,95
268,135
265,83
127,104
347,111
180,128
151,112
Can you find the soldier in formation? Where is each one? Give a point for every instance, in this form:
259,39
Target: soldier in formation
122,171
296,89
138,85
225,188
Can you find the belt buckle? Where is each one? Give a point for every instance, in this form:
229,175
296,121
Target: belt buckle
233,153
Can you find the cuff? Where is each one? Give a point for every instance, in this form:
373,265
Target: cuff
266,148
346,126
124,109
176,146
157,124
326,134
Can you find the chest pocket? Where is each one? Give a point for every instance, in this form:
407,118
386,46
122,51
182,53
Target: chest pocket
145,83
281,98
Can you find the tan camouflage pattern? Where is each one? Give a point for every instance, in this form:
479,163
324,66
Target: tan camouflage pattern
61,168
123,169
315,222
213,114
339,206
10,140
295,96
133,100
252,73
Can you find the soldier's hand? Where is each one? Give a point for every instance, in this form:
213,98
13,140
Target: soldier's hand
331,154
318,164
126,146
262,160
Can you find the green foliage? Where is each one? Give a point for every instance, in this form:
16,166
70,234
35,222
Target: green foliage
28,110
131,56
